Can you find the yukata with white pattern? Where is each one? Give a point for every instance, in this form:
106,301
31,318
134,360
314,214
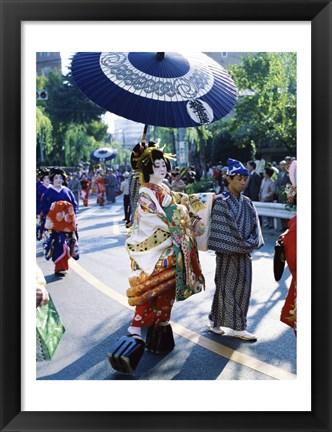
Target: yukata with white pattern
235,233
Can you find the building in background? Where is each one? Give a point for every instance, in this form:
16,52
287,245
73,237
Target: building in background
228,58
46,61
127,132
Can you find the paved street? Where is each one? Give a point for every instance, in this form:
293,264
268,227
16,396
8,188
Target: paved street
93,306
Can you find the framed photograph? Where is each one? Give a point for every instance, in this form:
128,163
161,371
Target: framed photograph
30,27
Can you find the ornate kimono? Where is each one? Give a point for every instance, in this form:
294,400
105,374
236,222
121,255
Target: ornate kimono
100,190
289,310
163,251
235,233
85,191
58,210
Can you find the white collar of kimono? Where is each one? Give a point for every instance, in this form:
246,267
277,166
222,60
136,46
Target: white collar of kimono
57,190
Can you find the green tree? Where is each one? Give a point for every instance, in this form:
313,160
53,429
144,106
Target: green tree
168,137
72,116
66,103
225,145
266,114
43,136
76,144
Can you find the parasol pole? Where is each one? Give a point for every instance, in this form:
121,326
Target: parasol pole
144,133
160,55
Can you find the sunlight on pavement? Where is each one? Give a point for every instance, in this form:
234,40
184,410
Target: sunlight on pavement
217,348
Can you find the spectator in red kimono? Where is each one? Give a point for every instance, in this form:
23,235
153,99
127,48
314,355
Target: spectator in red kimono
100,188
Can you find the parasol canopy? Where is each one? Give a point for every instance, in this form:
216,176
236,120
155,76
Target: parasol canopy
162,89
103,154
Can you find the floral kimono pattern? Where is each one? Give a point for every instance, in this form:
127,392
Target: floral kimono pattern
61,241
100,190
163,252
85,191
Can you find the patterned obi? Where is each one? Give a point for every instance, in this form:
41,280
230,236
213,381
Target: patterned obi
61,217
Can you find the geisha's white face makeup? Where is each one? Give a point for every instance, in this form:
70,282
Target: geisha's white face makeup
57,180
159,171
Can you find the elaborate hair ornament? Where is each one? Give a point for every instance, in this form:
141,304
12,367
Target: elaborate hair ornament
146,156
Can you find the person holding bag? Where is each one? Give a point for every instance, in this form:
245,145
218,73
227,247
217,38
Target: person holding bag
49,327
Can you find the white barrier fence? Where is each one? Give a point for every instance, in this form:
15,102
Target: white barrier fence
275,210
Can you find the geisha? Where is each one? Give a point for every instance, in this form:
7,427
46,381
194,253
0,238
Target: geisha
85,189
100,188
164,258
58,209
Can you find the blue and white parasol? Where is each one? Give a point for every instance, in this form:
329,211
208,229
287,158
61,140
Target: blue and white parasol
162,89
103,154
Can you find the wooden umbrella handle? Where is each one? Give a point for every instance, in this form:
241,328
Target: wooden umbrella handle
144,133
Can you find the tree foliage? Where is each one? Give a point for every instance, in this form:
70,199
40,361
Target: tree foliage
168,137
223,144
264,117
266,113
43,133
123,155
76,123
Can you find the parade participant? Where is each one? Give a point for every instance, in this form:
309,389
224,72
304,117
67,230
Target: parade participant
235,233
42,185
124,187
289,310
100,188
58,208
266,193
85,189
163,253
110,184
75,186
288,239
178,185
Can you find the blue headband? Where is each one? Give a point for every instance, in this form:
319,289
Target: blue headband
236,167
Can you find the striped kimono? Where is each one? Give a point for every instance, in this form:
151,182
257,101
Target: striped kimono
235,233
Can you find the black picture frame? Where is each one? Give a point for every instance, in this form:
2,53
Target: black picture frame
319,12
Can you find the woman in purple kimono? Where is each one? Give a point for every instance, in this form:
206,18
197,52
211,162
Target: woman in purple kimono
42,185
58,208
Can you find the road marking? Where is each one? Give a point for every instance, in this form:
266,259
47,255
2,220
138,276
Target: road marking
233,355
217,348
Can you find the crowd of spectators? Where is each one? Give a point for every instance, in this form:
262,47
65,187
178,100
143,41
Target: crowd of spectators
266,183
